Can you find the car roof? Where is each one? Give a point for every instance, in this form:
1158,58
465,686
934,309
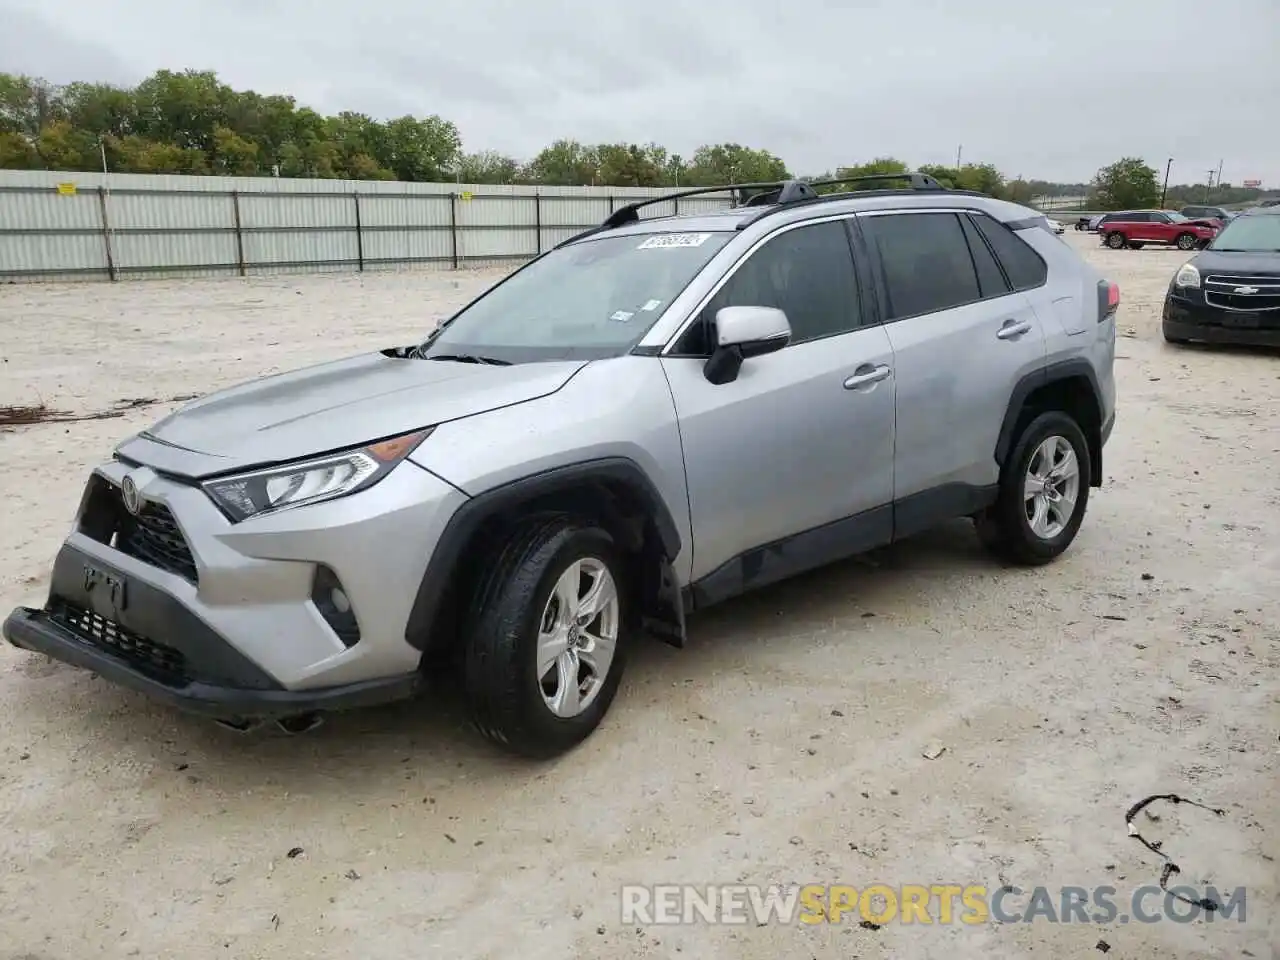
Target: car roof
1261,212
737,217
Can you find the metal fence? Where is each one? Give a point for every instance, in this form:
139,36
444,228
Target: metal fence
94,226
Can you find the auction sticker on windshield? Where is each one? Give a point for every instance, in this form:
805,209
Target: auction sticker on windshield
675,240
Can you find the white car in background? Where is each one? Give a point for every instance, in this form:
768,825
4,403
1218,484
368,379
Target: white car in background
1057,227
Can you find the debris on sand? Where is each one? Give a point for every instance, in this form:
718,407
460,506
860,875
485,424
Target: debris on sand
20,416
28,415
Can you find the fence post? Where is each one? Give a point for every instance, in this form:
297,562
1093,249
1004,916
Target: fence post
537,218
106,232
676,201
359,232
235,206
453,227
613,203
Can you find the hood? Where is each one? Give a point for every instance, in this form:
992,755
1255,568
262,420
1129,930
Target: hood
331,406
1258,264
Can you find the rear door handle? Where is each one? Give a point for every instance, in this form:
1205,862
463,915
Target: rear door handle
1013,328
866,374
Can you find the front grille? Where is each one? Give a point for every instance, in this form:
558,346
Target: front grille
152,537
1264,293
161,662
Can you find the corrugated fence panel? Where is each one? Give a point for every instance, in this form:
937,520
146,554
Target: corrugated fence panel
90,225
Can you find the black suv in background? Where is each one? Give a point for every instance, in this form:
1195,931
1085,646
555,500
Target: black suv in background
1230,292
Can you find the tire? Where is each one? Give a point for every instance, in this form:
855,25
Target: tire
512,602
1136,244
1005,528
1170,338
1115,241
1187,241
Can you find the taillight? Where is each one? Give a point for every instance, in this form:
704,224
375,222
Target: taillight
1108,299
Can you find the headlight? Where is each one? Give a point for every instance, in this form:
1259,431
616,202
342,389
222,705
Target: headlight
1187,276
311,481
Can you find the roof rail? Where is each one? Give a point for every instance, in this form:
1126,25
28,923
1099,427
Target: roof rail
773,196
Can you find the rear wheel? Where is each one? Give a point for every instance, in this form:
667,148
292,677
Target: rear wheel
1187,241
1044,490
546,644
1115,241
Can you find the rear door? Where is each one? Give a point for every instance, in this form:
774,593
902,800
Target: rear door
962,337
1160,228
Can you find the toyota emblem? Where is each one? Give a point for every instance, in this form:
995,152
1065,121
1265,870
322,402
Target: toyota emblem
129,491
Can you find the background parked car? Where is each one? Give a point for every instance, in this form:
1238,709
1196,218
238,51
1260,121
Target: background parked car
1230,293
1134,229
1195,212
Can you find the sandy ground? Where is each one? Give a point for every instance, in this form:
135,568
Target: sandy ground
785,745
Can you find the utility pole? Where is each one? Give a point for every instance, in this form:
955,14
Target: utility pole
1219,180
959,150
1208,189
1165,190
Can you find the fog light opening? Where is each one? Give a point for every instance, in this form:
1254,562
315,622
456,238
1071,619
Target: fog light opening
330,598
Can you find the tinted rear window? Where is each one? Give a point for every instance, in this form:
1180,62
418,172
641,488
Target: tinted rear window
1022,265
926,261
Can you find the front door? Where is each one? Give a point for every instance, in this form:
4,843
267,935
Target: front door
796,454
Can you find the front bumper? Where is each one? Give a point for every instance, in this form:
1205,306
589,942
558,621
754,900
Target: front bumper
225,619
38,631
1193,319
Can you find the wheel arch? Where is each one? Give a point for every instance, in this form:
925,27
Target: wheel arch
1068,385
614,491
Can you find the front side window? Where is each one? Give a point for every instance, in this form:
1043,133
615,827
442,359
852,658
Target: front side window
590,300
807,272
926,261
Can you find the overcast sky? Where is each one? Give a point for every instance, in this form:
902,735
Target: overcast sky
1040,88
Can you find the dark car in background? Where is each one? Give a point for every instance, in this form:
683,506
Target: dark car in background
1196,212
1230,292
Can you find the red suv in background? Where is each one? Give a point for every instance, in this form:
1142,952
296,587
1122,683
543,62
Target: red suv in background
1137,228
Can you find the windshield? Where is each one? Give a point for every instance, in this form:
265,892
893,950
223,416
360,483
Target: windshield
1249,234
589,300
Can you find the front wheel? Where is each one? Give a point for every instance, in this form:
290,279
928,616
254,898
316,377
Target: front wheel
546,645
1115,241
1044,490
1187,241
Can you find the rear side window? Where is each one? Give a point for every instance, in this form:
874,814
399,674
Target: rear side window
990,279
1022,265
926,261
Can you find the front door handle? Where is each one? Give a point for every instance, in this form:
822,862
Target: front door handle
1013,328
866,374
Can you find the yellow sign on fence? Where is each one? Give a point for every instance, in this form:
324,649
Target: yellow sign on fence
67,189
467,194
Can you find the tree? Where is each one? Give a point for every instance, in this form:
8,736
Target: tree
1127,184
486,167
566,163
732,163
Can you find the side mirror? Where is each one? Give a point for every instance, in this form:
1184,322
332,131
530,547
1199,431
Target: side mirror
743,332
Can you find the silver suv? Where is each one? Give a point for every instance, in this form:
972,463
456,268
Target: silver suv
655,416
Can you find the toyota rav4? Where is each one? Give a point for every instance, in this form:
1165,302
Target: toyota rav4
652,417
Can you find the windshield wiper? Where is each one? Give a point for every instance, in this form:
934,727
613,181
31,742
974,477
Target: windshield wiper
470,358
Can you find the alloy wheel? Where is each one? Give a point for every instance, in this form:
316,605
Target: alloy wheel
577,637
1051,487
